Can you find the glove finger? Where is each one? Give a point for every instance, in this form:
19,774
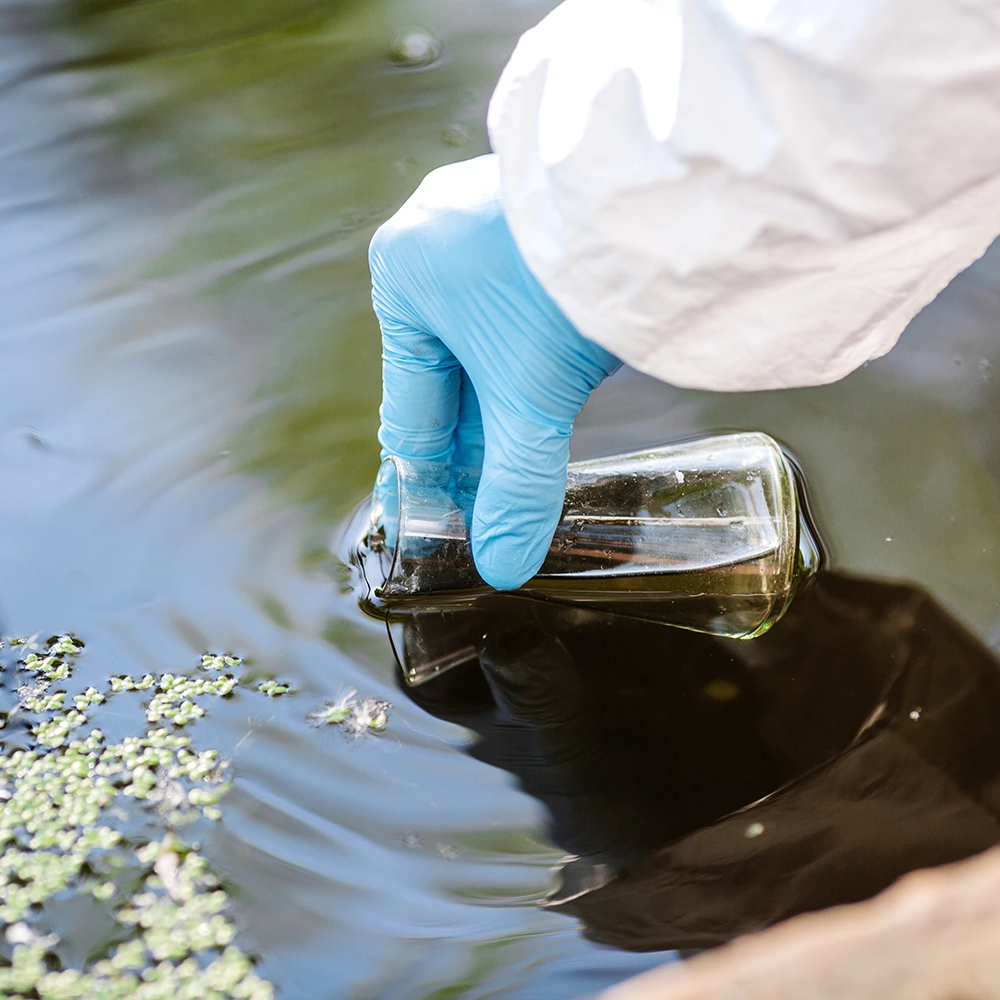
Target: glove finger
421,381
468,451
520,499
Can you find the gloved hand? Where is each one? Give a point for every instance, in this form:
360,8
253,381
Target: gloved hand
479,366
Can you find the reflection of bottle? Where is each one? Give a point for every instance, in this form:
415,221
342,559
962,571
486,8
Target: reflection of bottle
704,535
748,782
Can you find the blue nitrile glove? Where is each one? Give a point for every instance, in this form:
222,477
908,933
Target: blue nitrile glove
467,330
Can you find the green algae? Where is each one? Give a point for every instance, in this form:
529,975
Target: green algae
65,798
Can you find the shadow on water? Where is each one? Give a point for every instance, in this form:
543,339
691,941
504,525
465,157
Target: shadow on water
190,387
710,787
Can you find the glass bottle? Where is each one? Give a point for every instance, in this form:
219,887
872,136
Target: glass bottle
706,535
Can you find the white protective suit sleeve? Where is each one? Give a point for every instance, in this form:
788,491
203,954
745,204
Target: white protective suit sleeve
751,194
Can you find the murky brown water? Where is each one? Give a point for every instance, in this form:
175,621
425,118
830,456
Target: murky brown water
188,408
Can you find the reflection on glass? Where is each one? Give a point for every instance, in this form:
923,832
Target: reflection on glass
702,535
707,788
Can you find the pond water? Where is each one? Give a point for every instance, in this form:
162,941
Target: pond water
188,408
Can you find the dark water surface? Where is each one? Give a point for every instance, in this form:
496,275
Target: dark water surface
188,407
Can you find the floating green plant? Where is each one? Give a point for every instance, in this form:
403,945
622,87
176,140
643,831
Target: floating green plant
273,689
65,797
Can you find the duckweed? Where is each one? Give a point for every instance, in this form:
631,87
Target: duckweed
273,689
59,797
219,661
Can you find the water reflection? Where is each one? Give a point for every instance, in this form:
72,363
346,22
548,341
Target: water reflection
711,787
190,396
190,386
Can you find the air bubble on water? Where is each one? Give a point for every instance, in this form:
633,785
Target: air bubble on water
414,48
915,714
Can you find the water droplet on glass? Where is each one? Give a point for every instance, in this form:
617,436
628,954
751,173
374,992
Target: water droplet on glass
754,830
915,714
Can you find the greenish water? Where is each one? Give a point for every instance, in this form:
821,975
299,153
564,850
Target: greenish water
188,407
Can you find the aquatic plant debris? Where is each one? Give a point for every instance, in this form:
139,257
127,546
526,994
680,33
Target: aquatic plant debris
354,716
65,799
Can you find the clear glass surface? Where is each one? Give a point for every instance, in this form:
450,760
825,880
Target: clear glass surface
703,535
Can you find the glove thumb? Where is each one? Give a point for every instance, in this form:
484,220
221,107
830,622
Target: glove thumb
519,501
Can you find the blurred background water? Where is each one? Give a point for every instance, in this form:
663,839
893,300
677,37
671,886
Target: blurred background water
190,380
